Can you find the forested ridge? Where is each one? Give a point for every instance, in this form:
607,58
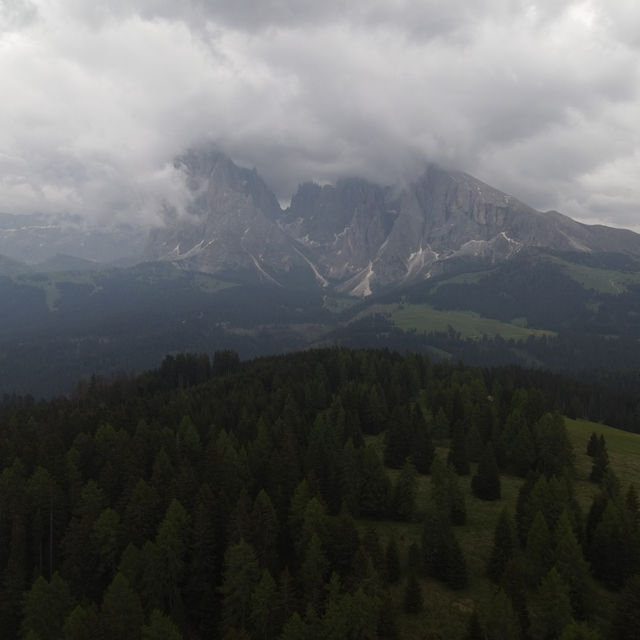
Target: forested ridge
279,499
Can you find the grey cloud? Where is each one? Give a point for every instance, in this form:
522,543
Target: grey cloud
538,98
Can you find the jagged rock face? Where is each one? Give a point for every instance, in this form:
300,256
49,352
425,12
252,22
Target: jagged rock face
231,224
358,236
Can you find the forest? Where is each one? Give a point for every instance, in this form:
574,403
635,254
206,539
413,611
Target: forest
330,493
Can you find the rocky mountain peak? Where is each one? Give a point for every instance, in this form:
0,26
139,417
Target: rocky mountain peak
357,236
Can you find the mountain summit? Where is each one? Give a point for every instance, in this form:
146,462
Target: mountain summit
357,236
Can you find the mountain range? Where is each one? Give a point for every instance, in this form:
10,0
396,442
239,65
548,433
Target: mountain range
358,237
444,264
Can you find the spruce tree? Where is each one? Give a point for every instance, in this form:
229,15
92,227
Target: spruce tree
504,546
592,445
392,562
486,482
538,549
458,450
502,622
600,465
626,622
572,567
551,607
474,628
413,602
403,500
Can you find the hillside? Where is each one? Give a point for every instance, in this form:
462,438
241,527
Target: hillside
269,499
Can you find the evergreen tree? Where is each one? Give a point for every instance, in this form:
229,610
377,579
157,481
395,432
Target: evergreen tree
46,605
502,623
121,614
486,482
504,546
538,549
626,622
579,631
392,562
82,623
551,607
295,629
413,602
160,627
375,486
474,628
475,445
403,500
263,606
423,449
241,575
572,567
457,574
313,572
522,453
458,451
593,445
600,464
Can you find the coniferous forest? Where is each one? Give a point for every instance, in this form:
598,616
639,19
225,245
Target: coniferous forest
324,494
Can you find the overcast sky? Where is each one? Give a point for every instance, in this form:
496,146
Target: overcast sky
539,99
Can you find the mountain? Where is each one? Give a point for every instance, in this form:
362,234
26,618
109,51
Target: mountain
356,236
231,228
37,238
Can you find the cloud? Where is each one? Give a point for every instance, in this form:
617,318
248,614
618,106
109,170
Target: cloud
537,98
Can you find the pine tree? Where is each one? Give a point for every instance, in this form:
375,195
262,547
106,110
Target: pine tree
121,614
263,606
475,446
486,482
474,628
413,602
422,444
160,627
457,574
572,567
600,465
81,623
593,445
551,607
46,605
458,451
626,622
502,623
403,500
504,546
392,562
538,549
241,575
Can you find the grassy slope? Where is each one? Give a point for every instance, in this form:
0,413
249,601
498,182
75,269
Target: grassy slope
446,611
600,280
423,317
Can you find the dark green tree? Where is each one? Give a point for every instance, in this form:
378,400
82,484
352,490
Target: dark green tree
392,562
160,627
121,614
413,601
626,621
458,452
46,606
551,607
474,628
241,575
486,482
504,546
573,568
403,500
